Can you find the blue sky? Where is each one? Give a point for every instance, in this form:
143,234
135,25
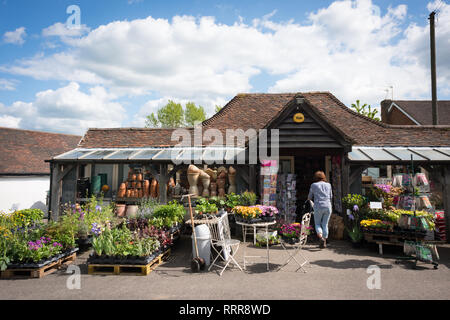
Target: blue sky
130,56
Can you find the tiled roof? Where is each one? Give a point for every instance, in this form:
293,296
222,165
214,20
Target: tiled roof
249,110
24,151
258,110
128,137
420,110
361,130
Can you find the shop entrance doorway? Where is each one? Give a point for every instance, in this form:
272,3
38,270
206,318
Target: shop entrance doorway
296,172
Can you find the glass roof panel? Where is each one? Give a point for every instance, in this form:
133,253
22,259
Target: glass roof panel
444,150
122,155
431,154
404,154
74,154
191,154
378,154
166,154
356,155
145,154
97,155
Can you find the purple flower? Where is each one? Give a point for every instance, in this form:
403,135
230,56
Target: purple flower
355,208
56,244
351,217
96,230
98,208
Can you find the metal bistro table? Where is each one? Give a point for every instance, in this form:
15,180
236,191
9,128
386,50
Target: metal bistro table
264,225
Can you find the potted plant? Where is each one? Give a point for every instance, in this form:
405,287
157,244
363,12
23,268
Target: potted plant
247,198
232,200
268,213
355,235
247,214
290,233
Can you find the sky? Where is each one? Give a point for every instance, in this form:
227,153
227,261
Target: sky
66,66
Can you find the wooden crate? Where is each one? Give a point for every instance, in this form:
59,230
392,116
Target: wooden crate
127,269
38,272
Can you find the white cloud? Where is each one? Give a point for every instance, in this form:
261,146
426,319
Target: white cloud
67,110
64,33
15,37
348,48
7,85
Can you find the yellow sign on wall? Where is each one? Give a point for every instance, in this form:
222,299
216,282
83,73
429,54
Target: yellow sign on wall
299,117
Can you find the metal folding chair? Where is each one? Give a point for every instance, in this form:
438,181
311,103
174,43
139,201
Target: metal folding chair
299,245
221,242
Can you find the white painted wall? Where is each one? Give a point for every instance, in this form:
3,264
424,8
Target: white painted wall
23,192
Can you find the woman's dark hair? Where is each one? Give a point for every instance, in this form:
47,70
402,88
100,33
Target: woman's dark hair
320,176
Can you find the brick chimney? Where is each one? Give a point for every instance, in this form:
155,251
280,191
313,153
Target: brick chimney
385,104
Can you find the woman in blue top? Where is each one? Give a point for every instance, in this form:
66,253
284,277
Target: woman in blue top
320,193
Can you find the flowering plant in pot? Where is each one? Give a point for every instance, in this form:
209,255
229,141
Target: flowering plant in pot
247,214
268,213
291,232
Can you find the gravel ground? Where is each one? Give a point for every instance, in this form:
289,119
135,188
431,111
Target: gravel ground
337,272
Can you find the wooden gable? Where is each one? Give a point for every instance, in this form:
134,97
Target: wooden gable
312,132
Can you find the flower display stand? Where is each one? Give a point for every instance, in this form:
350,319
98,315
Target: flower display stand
387,238
46,268
128,269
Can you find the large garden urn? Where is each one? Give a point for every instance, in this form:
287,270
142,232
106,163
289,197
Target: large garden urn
146,188
212,173
122,191
192,174
205,180
154,188
213,188
231,180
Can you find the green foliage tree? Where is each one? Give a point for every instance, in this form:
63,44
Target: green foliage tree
217,108
365,110
193,114
172,115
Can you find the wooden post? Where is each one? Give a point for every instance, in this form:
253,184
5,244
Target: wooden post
345,177
163,179
55,191
252,178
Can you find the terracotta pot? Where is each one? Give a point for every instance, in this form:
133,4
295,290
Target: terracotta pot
138,185
133,177
232,180
212,173
193,181
122,190
139,177
120,210
153,188
140,193
146,188
132,211
205,179
129,193
221,186
213,187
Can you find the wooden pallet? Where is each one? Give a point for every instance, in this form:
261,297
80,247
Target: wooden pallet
38,272
128,269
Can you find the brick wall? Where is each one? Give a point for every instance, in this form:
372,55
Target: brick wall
395,116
